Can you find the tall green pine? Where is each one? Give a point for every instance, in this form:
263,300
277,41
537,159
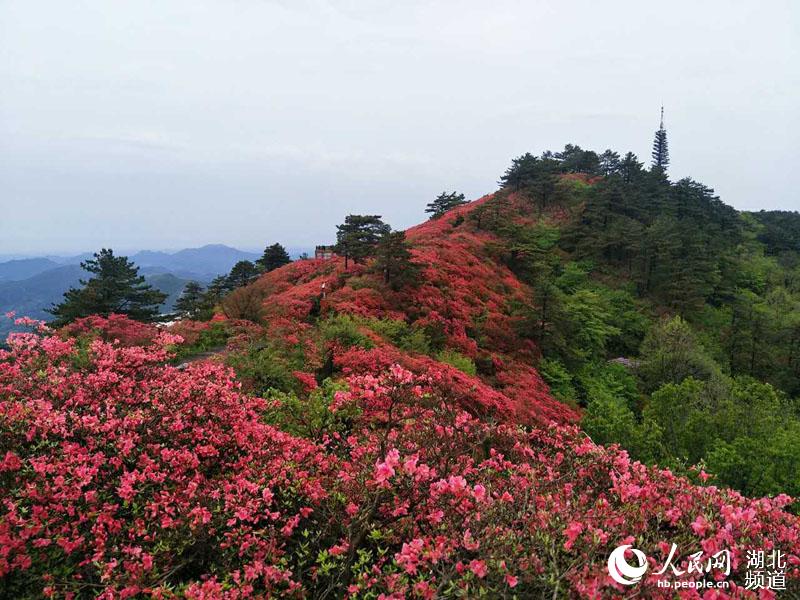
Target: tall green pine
274,256
357,237
242,273
394,261
630,168
115,288
191,302
609,162
521,173
445,202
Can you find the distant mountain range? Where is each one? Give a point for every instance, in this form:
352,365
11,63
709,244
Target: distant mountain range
205,262
28,286
22,268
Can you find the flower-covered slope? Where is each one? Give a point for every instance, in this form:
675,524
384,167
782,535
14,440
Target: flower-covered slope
465,292
122,476
400,477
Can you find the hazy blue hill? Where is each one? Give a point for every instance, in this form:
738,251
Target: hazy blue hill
70,260
33,296
29,286
169,284
16,270
30,297
182,274
207,261
27,295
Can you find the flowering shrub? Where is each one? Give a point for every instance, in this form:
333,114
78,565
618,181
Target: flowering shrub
190,330
121,475
119,328
32,324
127,475
529,404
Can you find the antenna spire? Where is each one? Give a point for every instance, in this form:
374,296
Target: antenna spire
660,150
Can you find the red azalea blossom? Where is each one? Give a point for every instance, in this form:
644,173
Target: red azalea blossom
118,469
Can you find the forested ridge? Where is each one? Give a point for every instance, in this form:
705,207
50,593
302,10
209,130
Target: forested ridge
670,317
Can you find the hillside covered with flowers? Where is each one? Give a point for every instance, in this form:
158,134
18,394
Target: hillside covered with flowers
328,435
463,307
123,475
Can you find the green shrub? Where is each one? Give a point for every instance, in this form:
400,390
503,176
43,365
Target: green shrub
558,378
361,282
401,334
311,417
608,420
760,467
437,337
484,365
671,353
346,330
267,365
612,379
264,370
216,336
457,360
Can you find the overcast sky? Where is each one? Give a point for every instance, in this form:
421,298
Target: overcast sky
171,123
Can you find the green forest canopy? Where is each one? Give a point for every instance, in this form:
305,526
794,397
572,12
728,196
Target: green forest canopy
671,317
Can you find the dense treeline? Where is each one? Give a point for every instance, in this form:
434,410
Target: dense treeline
780,233
672,318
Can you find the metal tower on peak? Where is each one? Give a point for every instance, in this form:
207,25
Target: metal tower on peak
660,150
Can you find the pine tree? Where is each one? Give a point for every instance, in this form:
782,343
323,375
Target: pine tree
608,229
521,173
357,237
660,149
630,167
217,289
191,302
444,202
543,185
115,288
574,159
534,259
214,294
242,273
609,162
534,175
274,256
393,260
